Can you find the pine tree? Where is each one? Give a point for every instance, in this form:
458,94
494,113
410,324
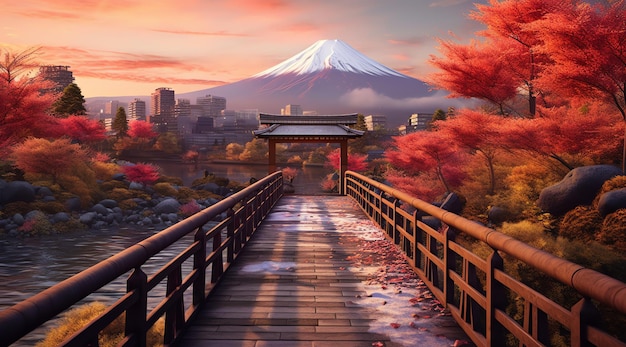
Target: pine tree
70,103
120,123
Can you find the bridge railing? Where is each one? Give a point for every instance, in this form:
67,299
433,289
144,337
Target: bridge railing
476,290
210,252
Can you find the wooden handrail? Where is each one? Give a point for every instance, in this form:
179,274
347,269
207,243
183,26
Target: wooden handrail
24,317
382,202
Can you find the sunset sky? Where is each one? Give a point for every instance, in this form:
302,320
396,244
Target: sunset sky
131,47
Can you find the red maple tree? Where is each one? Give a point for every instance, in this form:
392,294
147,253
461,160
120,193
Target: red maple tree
82,129
141,173
356,162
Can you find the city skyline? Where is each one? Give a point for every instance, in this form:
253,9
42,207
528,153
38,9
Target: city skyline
125,47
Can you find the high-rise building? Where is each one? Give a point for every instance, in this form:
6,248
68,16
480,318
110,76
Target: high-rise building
162,110
212,105
418,121
136,110
375,121
292,110
110,107
61,76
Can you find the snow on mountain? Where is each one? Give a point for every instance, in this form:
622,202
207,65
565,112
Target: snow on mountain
329,54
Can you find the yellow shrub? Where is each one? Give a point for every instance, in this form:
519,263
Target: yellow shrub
76,318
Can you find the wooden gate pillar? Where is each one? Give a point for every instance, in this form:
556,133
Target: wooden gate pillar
344,166
272,156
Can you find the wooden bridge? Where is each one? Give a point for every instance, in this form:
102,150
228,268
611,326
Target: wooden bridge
309,271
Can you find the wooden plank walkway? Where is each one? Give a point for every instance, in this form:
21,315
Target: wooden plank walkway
315,275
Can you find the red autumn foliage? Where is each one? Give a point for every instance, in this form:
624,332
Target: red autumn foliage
141,129
587,46
82,129
141,173
428,152
356,162
23,112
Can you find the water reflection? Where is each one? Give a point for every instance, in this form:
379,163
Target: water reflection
28,266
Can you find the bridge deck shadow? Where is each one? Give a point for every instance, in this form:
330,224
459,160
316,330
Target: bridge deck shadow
303,280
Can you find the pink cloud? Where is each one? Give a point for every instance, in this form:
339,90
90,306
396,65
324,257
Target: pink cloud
414,41
201,33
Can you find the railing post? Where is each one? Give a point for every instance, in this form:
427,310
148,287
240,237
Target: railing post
584,313
449,260
199,265
136,314
234,246
218,264
496,300
417,232
175,315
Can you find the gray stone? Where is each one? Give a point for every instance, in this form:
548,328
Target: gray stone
18,219
44,191
172,217
88,218
579,187
100,225
73,204
118,177
211,187
168,205
60,217
17,191
497,215
612,201
48,198
100,209
108,203
146,221
453,203
135,186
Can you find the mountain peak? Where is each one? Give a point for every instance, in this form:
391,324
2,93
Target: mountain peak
329,54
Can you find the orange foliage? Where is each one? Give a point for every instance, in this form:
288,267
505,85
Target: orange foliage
53,158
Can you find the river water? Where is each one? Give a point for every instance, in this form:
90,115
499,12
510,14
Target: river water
28,266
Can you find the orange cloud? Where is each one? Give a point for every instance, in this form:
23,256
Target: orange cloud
200,33
415,41
146,79
401,57
260,6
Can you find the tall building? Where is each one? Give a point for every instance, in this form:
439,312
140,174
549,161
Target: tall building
418,121
212,105
375,121
136,110
162,110
292,110
110,107
182,108
61,76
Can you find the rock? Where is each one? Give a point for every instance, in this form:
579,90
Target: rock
60,217
17,191
73,204
169,205
211,187
497,215
43,191
100,225
88,218
578,187
18,219
99,209
48,198
146,221
612,201
135,186
118,177
108,203
453,203
172,217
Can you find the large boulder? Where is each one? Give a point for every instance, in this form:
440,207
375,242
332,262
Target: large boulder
612,201
169,205
579,187
17,191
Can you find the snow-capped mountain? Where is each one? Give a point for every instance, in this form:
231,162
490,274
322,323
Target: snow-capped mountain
329,54
331,77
